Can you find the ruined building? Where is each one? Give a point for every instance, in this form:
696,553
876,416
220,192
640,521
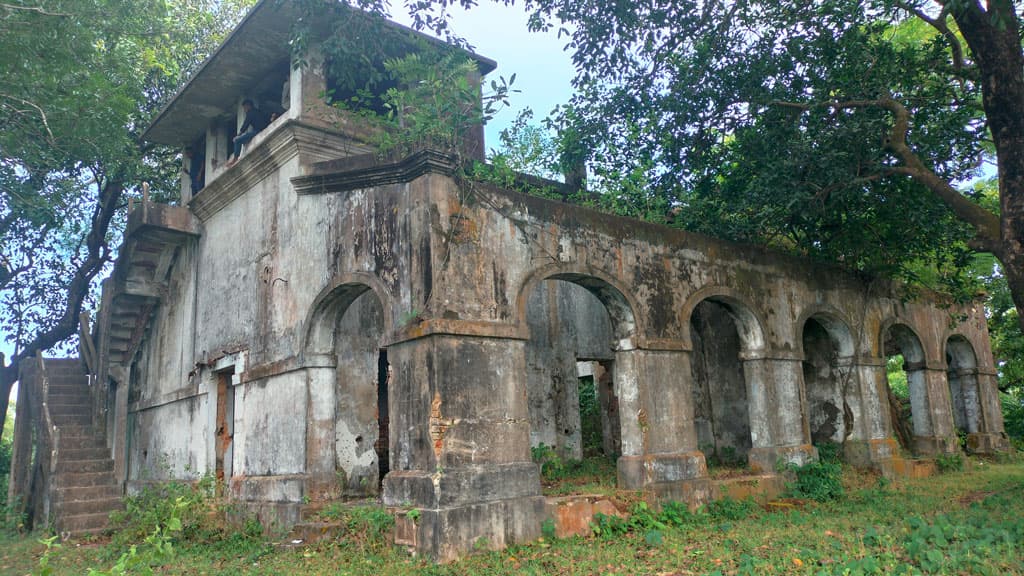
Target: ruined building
318,323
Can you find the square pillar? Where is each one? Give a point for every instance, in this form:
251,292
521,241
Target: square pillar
778,412
460,444
872,443
656,411
991,434
934,431
321,476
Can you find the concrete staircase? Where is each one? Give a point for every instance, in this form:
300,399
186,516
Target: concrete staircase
84,488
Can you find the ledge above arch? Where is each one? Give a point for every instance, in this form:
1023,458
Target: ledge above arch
332,301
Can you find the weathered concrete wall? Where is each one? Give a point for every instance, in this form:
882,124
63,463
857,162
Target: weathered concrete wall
484,301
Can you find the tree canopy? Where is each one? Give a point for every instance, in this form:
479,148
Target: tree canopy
79,80
838,129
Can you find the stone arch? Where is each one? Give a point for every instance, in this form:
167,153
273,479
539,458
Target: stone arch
897,337
725,333
826,348
835,323
577,322
331,303
345,356
962,376
749,323
617,300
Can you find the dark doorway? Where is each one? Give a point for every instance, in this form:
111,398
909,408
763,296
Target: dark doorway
719,385
383,439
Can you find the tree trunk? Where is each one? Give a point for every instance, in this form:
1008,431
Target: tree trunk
994,39
78,288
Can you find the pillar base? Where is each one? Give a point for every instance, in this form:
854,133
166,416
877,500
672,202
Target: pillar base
987,443
447,534
933,445
869,453
768,460
680,477
639,472
466,509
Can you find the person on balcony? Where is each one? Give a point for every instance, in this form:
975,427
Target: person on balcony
255,120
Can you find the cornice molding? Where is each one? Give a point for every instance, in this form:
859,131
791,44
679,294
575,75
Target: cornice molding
368,171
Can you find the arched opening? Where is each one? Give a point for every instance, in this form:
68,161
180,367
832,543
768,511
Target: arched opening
721,331
570,359
907,389
361,428
962,374
827,347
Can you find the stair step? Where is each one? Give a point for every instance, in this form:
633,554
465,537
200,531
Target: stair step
77,454
67,378
72,419
69,409
77,479
77,466
88,493
78,430
80,441
76,397
88,532
61,387
84,522
80,507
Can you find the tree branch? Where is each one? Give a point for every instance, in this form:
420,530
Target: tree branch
985,223
939,24
42,114
78,287
36,9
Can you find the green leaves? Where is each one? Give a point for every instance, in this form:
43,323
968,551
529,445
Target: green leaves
79,80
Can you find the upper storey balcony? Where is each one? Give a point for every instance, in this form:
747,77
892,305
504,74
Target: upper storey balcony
294,102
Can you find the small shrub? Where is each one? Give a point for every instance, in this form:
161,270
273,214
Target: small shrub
547,529
366,527
201,514
653,538
552,467
950,462
730,509
819,481
830,452
677,514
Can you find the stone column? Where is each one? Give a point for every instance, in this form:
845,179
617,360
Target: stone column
990,436
872,443
778,422
321,481
657,415
460,444
930,402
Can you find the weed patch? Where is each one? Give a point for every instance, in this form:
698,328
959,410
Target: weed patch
366,527
950,462
820,481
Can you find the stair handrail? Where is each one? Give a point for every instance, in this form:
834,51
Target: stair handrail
52,432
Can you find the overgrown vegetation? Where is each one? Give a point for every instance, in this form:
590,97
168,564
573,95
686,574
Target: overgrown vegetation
591,435
6,443
367,528
591,475
173,514
965,523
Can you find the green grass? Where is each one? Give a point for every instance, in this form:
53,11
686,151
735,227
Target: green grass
969,522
